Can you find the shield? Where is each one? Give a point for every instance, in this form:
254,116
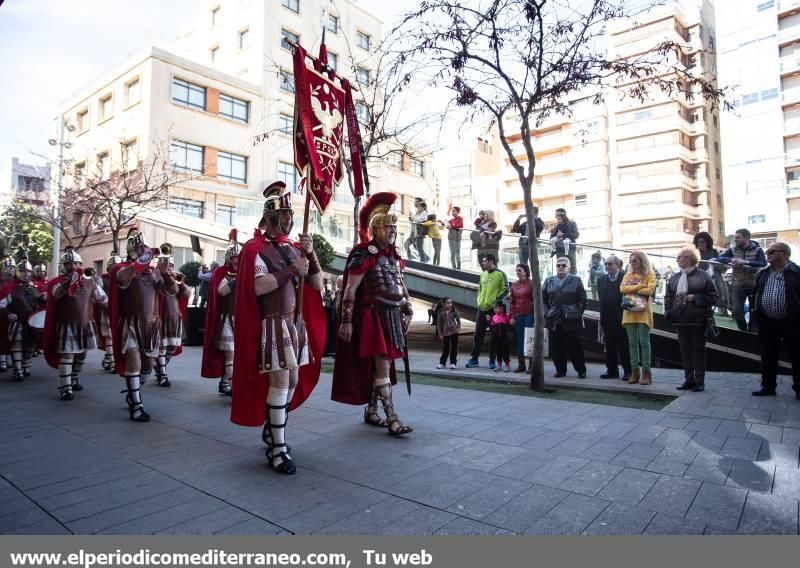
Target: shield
36,319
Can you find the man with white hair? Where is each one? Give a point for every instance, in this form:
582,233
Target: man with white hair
614,335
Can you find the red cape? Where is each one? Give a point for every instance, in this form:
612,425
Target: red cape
183,302
353,374
49,339
114,318
5,345
97,311
41,285
213,358
249,387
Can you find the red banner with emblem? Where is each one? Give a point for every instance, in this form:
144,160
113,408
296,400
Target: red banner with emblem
322,110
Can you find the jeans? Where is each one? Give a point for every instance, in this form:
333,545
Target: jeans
770,333
455,253
419,242
524,254
437,250
520,323
639,344
563,343
617,352
480,331
449,349
740,294
692,343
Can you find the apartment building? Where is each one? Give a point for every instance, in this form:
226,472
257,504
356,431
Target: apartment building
185,117
470,174
28,183
759,59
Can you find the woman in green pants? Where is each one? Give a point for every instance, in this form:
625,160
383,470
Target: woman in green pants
637,288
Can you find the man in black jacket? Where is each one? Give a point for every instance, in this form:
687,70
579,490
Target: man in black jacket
521,228
777,307
614,335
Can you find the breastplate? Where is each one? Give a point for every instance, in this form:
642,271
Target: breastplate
171,305
106,283
23,301
140,299
281,301
384,283
77,308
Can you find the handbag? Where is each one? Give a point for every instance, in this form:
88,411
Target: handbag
570,312
634,302
712,330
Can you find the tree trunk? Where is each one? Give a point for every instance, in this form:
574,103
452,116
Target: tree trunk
115,242
537,362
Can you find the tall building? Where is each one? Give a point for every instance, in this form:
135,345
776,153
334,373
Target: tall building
24,182
206,103
759,60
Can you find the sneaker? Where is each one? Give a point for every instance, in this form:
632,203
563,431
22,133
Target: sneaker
452,365
492,366
440,366
471,364
508,368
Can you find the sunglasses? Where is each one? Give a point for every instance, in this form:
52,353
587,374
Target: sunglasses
561,265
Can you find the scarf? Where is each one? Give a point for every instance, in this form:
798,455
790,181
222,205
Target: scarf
683,283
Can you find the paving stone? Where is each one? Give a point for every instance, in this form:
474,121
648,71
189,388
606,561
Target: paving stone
210,523
707,442
48,526
555,472
570,516
617,430
462,526
526,508
20,519
755,415
333,510
665,524
151,524
741,448
620,520
524,464
629,487
783,455
674,421
674,438
727,413
637,455
644,433
672,462
769,514
547,440
718,505
489,498
576,445
484,456
590,479
772,434
751,475
605,450
791,436
252,527
710,467
734,428
671,495
704,424
787,482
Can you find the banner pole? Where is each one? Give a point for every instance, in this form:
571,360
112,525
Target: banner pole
301,285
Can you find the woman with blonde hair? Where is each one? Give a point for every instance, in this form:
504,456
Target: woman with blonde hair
637,287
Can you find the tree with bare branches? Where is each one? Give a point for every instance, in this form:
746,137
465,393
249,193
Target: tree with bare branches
515,63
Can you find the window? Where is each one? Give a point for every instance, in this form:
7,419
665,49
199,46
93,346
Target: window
287,81
285,124
232,167
188,94
756,219
244,39
213,53
288,175
215,16
103,165
187,207
749,98
130,155
718,174
333,24
642,115
83,120
233,108
362,112
293,5
226,215
395,160
765,5
133,92
769,94
364,41
287,35
28,183
333,61
80,171
363,76
581,199
77,221
186,157
106,108
418,167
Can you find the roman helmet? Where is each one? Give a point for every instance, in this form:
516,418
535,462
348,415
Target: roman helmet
70,255
276,199
112,260
7,266
134,240
234,248
24,264
40,270
374,216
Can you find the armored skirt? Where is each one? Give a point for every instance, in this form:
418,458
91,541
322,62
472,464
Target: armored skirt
75,337
172,331
380,332
223,332
142,335
283,344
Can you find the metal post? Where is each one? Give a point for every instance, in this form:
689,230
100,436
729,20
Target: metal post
57,203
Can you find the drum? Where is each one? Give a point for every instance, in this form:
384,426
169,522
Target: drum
36,319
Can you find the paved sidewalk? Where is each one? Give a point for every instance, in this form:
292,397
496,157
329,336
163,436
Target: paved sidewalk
478,463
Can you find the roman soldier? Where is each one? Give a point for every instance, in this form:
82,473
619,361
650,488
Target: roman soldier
40,277
69,325
102,315
374,317
173,314
218,343
278,350
136,289
6,286
23,300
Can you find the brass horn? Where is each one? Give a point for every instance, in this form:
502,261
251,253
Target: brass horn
89,272
166,250
179,277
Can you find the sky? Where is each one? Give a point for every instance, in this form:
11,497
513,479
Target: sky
52,47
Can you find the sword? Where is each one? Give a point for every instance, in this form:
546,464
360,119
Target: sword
408,370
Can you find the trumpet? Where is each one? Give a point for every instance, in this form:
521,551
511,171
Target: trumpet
89,272
179,277
165,250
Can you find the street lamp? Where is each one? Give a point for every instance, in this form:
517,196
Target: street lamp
63,124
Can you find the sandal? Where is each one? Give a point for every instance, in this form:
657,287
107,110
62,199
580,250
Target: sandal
224,387
134,407
76,386
163,381
286,465
18,377
372,418
401,430
108,363
65,392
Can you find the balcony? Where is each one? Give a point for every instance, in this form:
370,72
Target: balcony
790,64
793,189
788,7
791,160
791,128
650,183
791,97
663,211
650,126
655,154
789,35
